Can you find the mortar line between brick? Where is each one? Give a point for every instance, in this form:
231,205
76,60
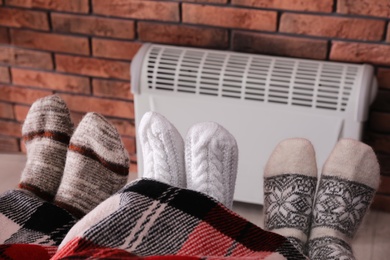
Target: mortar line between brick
334,8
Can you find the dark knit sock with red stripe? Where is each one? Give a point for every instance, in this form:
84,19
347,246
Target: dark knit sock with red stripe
46,132
97,166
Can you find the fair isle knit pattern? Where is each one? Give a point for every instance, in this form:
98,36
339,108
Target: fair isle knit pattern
46,133
211,159
155,219
290,180
163,150
97,166
348,183
27,219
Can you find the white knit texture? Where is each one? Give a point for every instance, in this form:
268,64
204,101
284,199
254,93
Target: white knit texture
211,155
354,161
295,155
163,150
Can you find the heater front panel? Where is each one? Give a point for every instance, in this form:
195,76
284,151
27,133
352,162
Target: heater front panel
257,131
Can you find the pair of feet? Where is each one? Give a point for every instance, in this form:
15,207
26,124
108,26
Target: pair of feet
321,224
206,161
67,174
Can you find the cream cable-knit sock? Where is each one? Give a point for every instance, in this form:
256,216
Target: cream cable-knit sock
211,155
97,166
163,150
349,180
290,180
46,132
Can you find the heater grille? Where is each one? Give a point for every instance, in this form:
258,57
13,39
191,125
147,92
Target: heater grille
320,85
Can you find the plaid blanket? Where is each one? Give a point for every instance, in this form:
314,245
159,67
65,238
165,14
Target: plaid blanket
152,220
26,218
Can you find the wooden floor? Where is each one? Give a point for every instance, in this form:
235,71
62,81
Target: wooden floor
371,243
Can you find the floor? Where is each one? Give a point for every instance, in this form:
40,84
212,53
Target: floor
371,242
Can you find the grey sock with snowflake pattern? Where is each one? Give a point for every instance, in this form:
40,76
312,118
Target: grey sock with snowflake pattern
348,184
290,179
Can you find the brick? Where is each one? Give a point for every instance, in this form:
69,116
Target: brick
129,143
50,41
25,58
114,49
205,1
21,95
388,33
382,101
379,8
384,162
9,144
50,80
384,186
279,45
23,147
107,27
10,128
183,35
379,142
383,77
138,9
73,6
4,38
23,18
115,108
93,67
379,122
312,5
133,167
230,17
111,89
381,202
124,127
20,112
350,28
6,111
4,75
360,52
76,117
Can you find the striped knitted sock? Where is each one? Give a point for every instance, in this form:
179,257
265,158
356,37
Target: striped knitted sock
163,150
46,132
97,166
211,157
348,183
290,179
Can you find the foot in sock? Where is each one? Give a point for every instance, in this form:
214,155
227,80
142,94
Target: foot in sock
349,180
26,216
97,166
46,132
163,150
290,179
211,158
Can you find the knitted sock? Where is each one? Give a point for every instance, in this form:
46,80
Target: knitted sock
348,183
290,179
25,215
163,150
46,132
97,166
211,156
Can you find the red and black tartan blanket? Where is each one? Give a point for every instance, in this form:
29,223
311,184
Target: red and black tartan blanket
148,219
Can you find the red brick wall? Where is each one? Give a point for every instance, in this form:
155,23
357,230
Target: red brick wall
82,49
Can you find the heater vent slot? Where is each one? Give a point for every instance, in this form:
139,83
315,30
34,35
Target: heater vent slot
256,78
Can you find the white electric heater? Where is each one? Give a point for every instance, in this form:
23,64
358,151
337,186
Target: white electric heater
260,99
